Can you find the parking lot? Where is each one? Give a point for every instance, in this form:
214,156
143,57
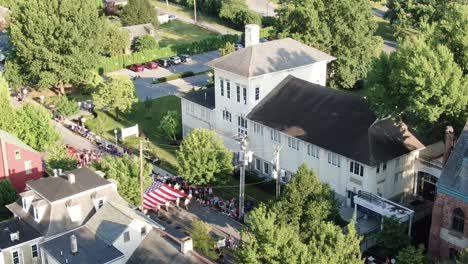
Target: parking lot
198,64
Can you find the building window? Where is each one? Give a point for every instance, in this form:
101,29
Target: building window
242,123
244,94
312,151
238,93
227,116
257,164
100,203
36,214
458,220
377,170
28,167
384,166
228,89
127,236
356,168
334,159
34,251
143,231
293,143
221,85
266,168
17,154
258,128
23,203
257,93
275,135
15,256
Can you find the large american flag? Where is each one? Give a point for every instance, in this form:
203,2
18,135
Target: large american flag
159,193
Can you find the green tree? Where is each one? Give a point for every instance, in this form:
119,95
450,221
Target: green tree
7,113
126,171
118,93
227,49
58,157
8,195
421,84
146,43
116,40
138,12
393,237
56,42
238,13
411,255
202,158
33,127
170,125
345,29
462,257
202,239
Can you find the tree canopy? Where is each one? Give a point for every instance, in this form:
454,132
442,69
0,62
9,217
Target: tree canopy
126,171
56,42
411,255
138,12
344,29
117,92
297,228
202,157
146,43
170,125
393,236
420,83
116,40
8,195
58,157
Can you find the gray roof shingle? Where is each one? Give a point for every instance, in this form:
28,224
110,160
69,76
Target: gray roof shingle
272,56
26,233
204,97
334,120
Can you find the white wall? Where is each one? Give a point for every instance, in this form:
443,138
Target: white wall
196,116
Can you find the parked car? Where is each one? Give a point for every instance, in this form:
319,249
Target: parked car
185,58
263,40
165,63
172,17
238,46
175,60
151,65
137,67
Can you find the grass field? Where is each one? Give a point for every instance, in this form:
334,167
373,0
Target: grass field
147,115
230,189
178,32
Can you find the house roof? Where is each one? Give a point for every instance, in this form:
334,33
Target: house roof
142,30
57,188
204,97
454,177
271,56
333,120
26,233
91,248
14,140
157,249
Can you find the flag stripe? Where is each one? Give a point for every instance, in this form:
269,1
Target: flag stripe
159,193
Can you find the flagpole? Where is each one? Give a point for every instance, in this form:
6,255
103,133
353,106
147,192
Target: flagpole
141,175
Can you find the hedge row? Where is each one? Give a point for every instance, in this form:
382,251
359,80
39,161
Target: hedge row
118,62
266,32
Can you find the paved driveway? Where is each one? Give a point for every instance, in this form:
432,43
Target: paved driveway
198,64
146,90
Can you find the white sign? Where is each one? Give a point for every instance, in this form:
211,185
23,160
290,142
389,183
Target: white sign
130,131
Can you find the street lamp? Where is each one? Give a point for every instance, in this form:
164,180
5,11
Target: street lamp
115,133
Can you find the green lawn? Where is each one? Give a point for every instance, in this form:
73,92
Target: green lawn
177,32
230,189
147,115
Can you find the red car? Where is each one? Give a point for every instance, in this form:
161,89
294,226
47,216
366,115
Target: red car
151,65
137,67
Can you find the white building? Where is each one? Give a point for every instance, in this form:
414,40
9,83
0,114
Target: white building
275,93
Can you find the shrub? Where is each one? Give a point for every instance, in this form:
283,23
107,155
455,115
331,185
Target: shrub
202,239
187,74
146,43
268,21
67,107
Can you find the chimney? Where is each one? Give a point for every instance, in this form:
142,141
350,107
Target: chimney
71,178
73,244
449,140
55,172
14,236
252,35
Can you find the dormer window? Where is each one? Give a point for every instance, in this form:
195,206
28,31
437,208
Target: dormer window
74,211
23,204
100,203
36,214
38,210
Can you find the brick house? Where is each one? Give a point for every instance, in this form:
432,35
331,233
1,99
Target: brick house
19,163
449,228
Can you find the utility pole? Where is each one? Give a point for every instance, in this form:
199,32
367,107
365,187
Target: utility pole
141,174
244,162
195,10
276,161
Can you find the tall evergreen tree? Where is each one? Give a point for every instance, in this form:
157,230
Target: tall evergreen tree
139,12
345,29
56,42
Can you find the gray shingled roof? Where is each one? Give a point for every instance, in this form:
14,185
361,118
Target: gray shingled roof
91,249
56,188
14,140
272,56
454,176
156,249
204,97
26,233
334,120
142,30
